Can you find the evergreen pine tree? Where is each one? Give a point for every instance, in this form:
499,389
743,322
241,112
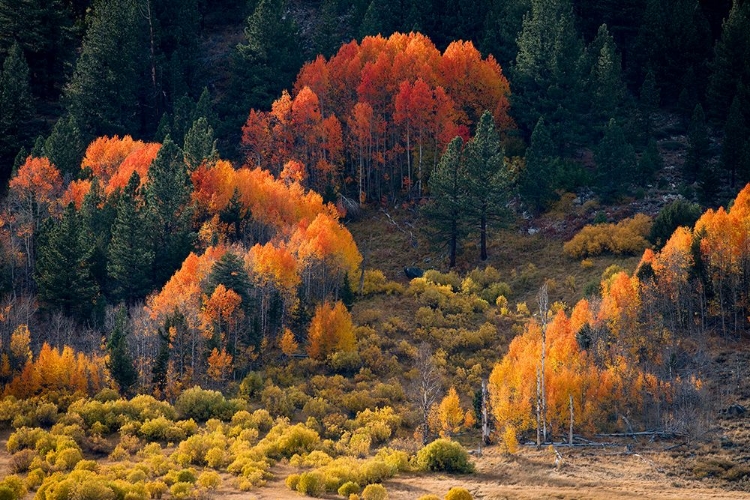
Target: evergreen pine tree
97,218
650,163
547,73
200,144
43,29
16,108
615,161
327,37
120,362
698,144
735,137
537,179
502,25
382,18
606,78
103,93
445,214
488,179
64,147
729,67
264,65
161,363
63,269
650,97
130,254
167,194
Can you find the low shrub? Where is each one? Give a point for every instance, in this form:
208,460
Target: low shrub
626,237
457,493
443,455
349,488
202,404
311,484
374,492
209,480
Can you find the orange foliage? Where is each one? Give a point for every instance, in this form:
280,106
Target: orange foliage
56,371
274,265
182,293
76,192
219,364
326,240
331,330
139,160
37,182
410,88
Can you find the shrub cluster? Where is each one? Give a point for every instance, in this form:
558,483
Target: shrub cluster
626,237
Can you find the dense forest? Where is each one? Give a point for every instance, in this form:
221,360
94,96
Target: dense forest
342,241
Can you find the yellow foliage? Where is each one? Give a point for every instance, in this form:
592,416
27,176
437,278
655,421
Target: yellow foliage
331,330
450,413
288,343
626,237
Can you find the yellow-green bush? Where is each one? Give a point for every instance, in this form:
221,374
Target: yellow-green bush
349,488
429,497
285,440
626,237
311,484
181,491
374,492
376,282
457,493
156,489
202,404
35,478
210,480
443,455
12,487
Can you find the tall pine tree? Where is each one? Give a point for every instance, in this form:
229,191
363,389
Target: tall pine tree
64,267
488,179
104,92
120,362
445,214
16,109
168,210
131,256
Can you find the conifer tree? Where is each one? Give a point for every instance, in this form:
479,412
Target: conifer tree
729,68
64,267
120,361
735,137
200,144
445,215
16,108
130,253
167,194
547,72
265,63
64,147
97,218
650,163
488,179
43,29
536,182
608,88
615,161
103,93
698,144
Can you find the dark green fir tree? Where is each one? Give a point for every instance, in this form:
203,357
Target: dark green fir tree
120,362
130,254
168,211
615,162
445,215
698,144
64,267
64,146
487,180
